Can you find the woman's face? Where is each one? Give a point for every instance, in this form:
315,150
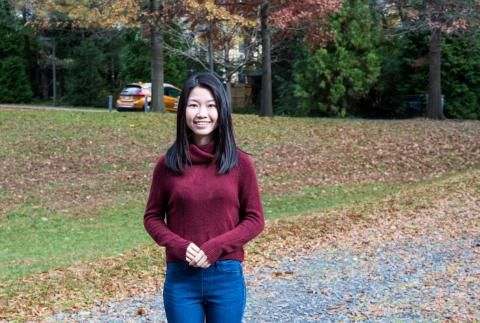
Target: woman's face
201,115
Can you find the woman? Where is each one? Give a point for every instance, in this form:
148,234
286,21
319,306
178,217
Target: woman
204,205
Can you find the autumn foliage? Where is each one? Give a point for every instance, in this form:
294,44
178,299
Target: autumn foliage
308,16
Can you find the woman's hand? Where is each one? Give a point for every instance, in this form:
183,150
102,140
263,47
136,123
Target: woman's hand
196,257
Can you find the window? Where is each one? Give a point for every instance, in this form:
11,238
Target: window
170,91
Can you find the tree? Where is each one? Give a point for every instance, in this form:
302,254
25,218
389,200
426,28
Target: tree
266,108
84,81
135,60
156,34
286,18
437,17
461,76
13,76
207,34
115,15
332,79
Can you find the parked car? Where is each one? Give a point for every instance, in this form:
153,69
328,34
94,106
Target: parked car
133,96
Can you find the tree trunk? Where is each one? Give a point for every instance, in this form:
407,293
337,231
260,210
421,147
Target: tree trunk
266,95
210,50
228,73
157,104
44,89
434,104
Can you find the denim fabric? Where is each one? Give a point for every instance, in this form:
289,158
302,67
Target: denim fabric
216,294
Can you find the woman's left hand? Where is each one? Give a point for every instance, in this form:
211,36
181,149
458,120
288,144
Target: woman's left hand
196,257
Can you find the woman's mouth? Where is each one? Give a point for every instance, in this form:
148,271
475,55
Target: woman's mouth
202,123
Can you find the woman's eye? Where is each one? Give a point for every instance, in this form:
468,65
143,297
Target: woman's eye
212,106
191,105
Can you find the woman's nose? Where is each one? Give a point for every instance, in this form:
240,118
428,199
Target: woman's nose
202,110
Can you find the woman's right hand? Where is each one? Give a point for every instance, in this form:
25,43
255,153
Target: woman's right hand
196,257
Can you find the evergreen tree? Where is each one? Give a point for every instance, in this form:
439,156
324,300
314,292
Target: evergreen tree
405,73
333,79
14,82
135,60
84,82
461,76
289,51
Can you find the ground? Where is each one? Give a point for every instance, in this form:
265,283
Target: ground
74,185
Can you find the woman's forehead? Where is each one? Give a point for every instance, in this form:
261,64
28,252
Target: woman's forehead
200,93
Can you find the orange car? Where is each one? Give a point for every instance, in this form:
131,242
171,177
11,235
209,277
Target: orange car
132,97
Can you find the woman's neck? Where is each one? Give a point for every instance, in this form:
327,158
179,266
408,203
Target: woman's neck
202,140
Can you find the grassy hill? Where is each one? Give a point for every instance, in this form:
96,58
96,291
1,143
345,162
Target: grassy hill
74,185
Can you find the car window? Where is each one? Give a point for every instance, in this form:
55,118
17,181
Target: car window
130,90
170,91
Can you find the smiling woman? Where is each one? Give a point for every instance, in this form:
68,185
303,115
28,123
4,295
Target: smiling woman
204,206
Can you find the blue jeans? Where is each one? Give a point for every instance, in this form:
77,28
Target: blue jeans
216,294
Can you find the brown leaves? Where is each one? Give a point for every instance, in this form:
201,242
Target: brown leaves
448,208
87,163
79,286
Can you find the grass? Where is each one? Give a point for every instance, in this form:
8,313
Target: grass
40,239
74,186
320,198
36,239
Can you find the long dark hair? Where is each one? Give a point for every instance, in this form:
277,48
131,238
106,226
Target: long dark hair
178,155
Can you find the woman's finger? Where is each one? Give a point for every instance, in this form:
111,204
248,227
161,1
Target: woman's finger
193,247
203,262
198,257
190,255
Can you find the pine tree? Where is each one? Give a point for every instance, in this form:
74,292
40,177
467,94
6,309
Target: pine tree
333,78
84,81
14,82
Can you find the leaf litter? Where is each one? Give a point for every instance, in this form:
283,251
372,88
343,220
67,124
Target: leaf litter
292,154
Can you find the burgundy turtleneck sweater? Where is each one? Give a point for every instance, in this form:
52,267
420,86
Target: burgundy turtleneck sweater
219,213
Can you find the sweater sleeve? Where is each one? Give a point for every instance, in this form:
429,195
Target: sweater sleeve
154,216
251,215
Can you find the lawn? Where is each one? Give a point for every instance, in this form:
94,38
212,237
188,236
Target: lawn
74,185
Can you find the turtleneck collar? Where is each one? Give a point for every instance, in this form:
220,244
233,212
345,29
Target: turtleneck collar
202,154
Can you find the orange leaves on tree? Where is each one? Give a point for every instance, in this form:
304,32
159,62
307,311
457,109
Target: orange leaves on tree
447,15
88,13
310,16
212,12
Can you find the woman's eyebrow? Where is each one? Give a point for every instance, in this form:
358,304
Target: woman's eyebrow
198,100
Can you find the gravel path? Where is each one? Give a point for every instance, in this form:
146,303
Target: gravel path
421,281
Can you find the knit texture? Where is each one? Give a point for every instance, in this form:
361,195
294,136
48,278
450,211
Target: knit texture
219,213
